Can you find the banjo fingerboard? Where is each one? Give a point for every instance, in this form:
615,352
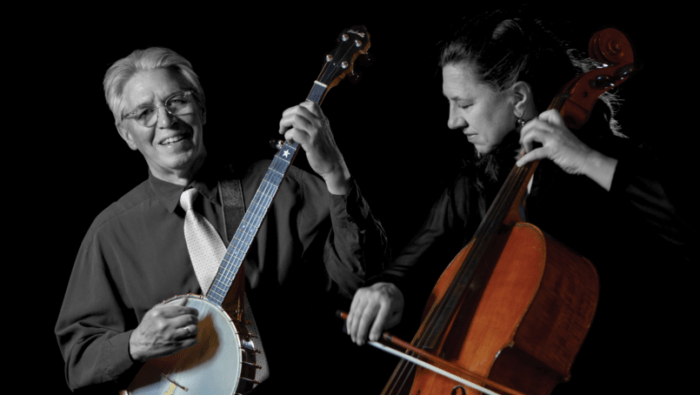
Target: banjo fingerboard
243,238
339,63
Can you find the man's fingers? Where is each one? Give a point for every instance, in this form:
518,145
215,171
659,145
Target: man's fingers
186,332
299,117
178,302
168,311
313,108
183,320
189,342
306,106
296,135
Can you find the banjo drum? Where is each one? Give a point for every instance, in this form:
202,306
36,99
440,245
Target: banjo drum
217,364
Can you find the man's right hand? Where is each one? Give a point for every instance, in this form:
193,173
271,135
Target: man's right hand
165,330
373,310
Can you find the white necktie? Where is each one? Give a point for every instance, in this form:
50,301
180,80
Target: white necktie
203,242
206,252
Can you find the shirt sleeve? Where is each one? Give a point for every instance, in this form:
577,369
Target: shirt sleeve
639,183
448,227
356,246
92,334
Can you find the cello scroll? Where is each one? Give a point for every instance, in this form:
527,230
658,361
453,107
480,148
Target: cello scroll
613,50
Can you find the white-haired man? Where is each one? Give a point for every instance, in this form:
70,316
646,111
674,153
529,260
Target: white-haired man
316,237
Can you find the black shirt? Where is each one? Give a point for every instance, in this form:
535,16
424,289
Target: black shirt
134,256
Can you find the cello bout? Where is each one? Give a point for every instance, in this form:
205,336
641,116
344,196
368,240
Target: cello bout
523,327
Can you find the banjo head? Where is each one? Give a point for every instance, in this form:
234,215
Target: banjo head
212,366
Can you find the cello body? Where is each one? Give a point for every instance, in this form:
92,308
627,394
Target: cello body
529,320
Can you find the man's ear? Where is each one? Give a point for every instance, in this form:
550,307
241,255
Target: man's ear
126,135
204,116
523,99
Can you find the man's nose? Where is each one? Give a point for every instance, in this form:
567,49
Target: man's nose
165,118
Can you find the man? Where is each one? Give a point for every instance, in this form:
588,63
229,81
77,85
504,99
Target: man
319,235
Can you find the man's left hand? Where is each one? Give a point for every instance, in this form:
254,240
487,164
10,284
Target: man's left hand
307,125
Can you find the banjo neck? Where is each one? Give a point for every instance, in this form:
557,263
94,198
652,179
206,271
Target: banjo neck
352,43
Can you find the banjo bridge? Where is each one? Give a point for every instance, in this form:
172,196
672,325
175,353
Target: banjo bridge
172,382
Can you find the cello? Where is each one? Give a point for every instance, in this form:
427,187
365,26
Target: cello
515,305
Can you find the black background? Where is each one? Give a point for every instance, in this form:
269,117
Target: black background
254,63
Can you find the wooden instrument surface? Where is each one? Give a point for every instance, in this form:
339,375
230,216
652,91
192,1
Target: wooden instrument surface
539,294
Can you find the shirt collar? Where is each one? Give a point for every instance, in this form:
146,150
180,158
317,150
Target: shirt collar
205,181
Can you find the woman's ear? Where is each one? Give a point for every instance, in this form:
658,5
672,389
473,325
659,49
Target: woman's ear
523,100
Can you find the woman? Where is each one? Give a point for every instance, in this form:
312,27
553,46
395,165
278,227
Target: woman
592,192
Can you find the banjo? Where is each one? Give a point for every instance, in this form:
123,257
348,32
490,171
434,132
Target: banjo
224,359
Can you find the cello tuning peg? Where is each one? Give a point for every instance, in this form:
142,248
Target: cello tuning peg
602,82
355,76
626,71
366,59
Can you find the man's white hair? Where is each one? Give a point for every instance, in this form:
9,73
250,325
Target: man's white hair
143,60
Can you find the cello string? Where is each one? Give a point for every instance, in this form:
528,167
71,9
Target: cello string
405,370
483,236
465,274
434,329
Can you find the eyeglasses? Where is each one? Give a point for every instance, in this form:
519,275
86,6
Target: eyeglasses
177,104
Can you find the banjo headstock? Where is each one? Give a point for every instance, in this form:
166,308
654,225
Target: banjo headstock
340,62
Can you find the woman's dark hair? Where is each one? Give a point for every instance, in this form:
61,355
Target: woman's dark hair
504,48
